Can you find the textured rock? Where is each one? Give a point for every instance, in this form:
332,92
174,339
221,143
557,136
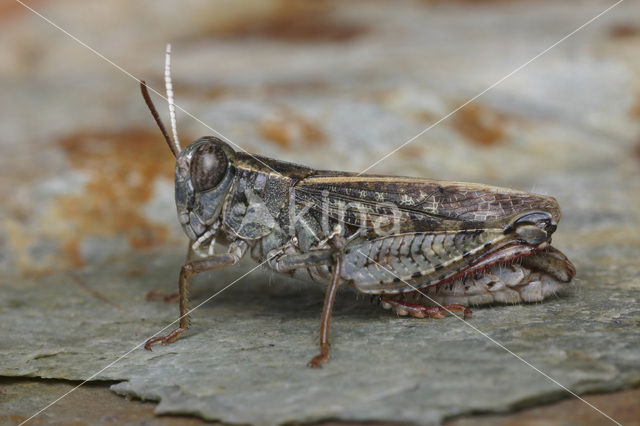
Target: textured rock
244,358
90,227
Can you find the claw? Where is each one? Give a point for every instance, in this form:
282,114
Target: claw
165,340
320,359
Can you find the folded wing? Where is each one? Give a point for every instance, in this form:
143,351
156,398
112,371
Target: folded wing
419,205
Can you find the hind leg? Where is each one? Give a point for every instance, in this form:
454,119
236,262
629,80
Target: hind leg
403,308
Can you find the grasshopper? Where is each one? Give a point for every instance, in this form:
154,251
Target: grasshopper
413,243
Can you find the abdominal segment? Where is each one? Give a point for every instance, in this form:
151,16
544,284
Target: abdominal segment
531,279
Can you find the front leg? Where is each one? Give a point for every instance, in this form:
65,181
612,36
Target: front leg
218,261
170,297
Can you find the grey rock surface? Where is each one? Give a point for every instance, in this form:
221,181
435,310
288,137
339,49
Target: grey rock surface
87,223
244,358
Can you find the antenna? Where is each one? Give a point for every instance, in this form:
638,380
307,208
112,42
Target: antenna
156,116
169,89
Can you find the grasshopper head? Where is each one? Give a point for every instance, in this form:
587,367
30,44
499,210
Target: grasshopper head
204,171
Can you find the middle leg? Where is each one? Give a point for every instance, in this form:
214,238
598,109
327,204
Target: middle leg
327,310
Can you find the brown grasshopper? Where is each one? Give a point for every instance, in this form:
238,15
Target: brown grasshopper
412,242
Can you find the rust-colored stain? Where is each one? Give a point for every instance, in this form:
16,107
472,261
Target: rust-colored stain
292,87
136,272
427,116
217,91
480,2
294,21
121,169
480,125
13,9
622,405
635,109
635,113
412,151
210,92
289,129
624,31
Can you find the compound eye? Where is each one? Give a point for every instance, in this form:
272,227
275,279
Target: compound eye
208,167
